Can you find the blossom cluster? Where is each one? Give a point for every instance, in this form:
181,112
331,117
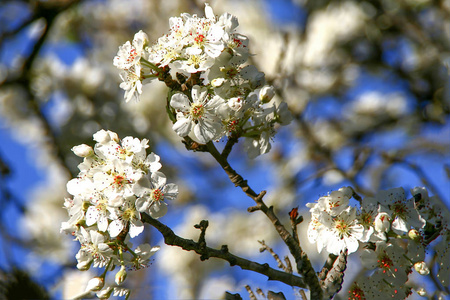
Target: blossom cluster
228,97
390,229
117,182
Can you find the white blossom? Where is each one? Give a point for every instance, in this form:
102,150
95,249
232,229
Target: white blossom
198,116
341,232
403,212
152,192
102,213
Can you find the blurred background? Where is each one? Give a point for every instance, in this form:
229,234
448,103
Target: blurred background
366,81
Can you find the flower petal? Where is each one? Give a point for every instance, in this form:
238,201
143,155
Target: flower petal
182,127
158,209
180,101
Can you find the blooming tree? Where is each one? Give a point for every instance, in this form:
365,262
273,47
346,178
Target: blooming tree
358,241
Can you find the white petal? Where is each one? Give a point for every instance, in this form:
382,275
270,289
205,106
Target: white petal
96,237
180,101
142,186
352,244
369,259
182,127
136,228
115,228
91,215
215,102
142,204
203,134
158,180
115,200
170,191
196,90
102,223
400,226
158,209
153,160
209,14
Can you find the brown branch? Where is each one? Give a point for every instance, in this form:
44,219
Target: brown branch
170,238
288,264
232,140
327,266
202,239
303,263
335,277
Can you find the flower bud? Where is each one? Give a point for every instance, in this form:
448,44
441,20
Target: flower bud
140,38
421,268
84,260
217,82
121,275
95,284
382,222
101,136
83,150
104,137
84,265
414,235
105,293
209,14
266,94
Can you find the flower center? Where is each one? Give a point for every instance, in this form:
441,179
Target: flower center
129,214
333,204
170,55
132,55
132,76
157,195
237,42
385,262
197,111
356,293
342,227
229,72
400,209
122,152
199,38
232,125
119,180
366,219
101,205
195,60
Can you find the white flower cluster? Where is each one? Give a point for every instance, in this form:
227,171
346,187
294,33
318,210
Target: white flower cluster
336,225
228,98
392,230
117,182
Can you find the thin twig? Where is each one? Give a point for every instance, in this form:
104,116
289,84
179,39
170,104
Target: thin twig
274,255
250,292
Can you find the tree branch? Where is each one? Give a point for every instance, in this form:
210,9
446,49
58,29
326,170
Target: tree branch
303,263
170,238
